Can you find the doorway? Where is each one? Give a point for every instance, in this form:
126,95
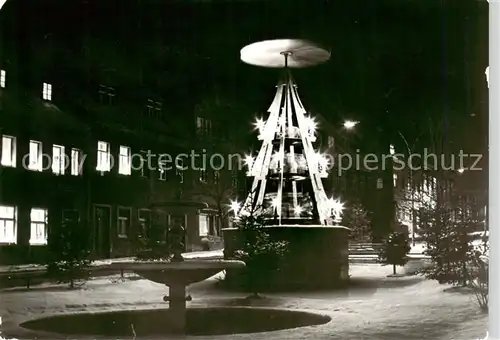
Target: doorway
102,231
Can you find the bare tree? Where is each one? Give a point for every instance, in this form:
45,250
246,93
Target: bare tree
218,181
357,218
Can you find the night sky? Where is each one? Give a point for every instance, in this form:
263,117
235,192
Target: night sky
394,64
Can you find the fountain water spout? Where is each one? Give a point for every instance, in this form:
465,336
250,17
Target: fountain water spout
177,236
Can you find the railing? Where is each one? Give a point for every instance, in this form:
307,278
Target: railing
288,170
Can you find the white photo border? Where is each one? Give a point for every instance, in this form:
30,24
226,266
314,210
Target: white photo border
493,73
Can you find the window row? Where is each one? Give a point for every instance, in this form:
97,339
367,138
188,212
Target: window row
106,95
124,222
38,225
105,162
58,162
207,224
46,87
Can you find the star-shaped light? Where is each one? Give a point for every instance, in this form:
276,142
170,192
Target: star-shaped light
336,206
249,161
259,123
234,206
322,161
349,124
311,124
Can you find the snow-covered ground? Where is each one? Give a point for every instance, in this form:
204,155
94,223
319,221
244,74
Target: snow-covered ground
418,248
375,307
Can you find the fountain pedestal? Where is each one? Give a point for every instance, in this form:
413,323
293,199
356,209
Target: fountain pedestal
177,304
177,275
317,257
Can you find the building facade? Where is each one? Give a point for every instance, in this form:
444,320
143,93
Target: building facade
98,147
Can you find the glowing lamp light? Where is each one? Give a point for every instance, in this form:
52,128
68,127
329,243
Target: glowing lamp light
336,206
349,124
234,206
259,123
461,170
298,210
249,161
275,203
392,150
311,124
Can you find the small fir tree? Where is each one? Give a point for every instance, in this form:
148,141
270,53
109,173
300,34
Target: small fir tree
357,218
448,243
395,250
69,253
479,273
261,254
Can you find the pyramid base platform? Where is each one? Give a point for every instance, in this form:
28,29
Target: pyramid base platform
317,258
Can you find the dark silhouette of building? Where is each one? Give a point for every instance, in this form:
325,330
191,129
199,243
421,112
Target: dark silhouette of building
84,122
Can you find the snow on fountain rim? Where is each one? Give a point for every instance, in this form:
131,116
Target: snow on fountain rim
299,226
185,265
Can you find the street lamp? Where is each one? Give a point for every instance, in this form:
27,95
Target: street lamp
412,189
350,124
235,207
461,170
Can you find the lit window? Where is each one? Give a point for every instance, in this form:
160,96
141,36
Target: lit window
58,160
125,165
158,109
47,91
203,126
380,183
154,109
123,222
395,179
38,226
199,124
145,222
162,168
8,224
35,156
2,78
103,156
9,151
203,224
76,166
216,176
392,150
106,94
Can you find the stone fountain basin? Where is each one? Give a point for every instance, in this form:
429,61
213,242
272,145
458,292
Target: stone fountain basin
178,273
158,323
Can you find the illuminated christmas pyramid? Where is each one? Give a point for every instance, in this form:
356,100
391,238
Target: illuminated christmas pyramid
287,172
